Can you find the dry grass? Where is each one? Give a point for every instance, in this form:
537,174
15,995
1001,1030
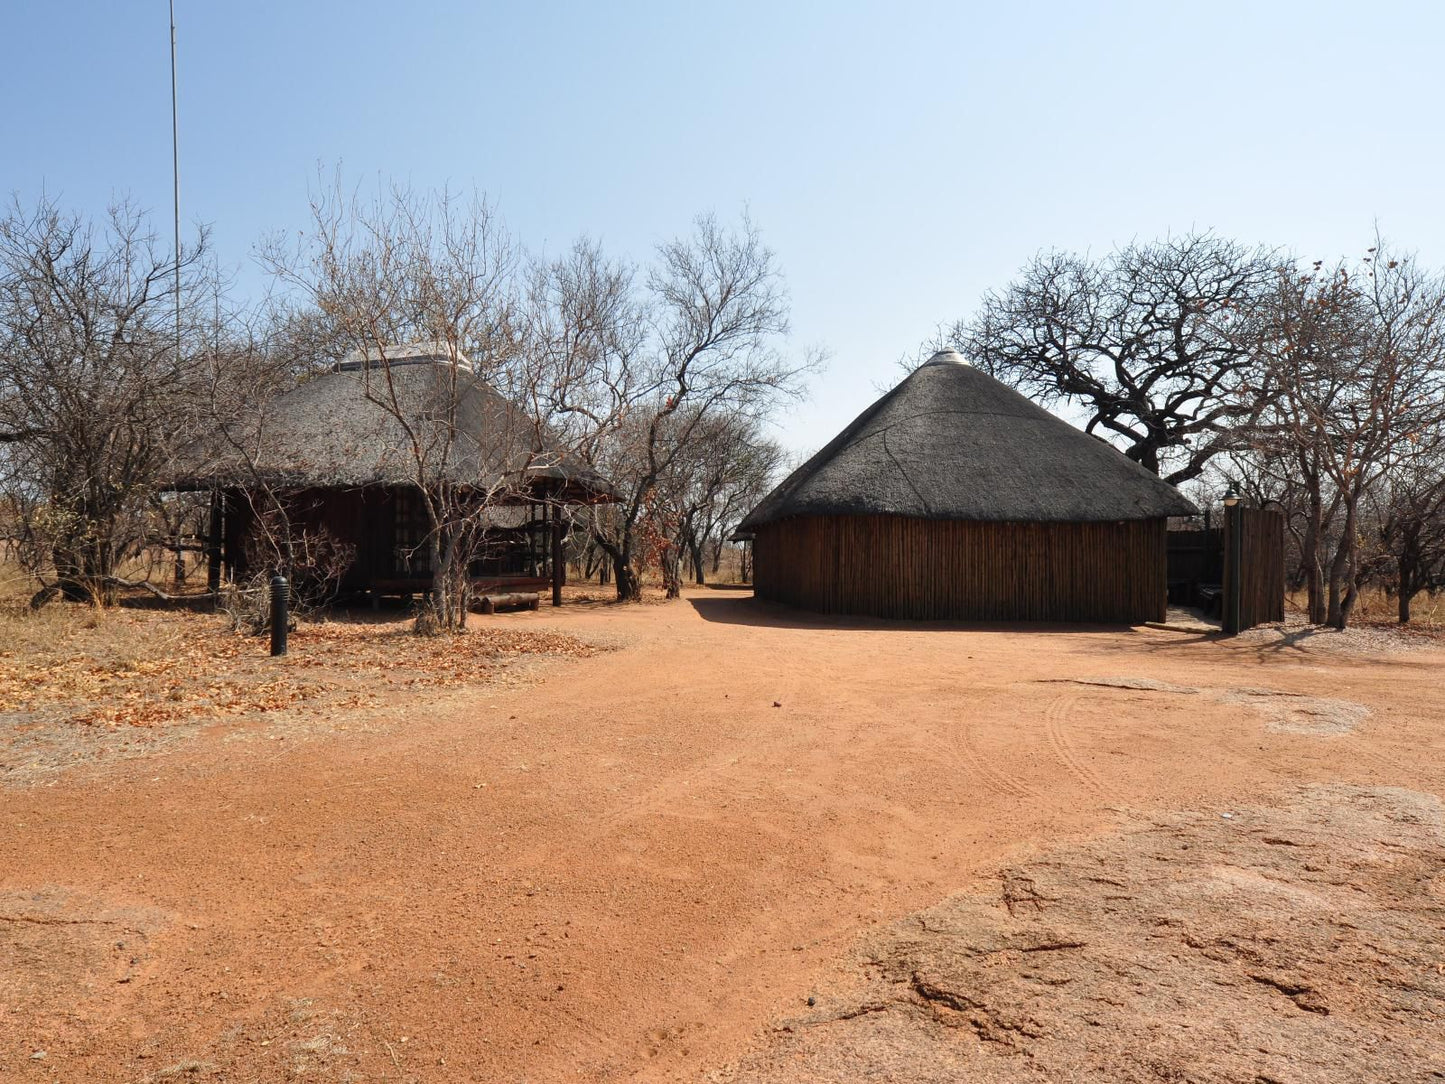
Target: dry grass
1375,608
1426,611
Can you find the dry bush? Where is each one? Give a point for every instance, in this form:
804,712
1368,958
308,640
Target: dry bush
316,561
247,605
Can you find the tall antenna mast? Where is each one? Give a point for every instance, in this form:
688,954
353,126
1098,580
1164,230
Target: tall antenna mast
176,179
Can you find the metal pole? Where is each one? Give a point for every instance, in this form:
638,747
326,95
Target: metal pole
176,179
280,618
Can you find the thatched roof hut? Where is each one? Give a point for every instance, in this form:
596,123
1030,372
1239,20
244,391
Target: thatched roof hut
355,426
955,496
340,451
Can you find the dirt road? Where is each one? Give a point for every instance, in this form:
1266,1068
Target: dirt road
624,870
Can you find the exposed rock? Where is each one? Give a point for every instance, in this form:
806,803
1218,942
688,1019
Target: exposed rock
1300,944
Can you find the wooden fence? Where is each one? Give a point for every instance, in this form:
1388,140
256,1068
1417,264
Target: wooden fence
1261,595
898,566
1196,557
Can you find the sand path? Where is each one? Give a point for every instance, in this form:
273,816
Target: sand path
625,869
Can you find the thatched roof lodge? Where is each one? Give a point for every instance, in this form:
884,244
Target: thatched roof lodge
954,496
341,450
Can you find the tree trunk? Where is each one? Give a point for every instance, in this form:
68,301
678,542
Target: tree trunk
695,550
433,617
1406,586
1313,566
1341,594
70,575
1146,454
463,598
1352,596
672,570
84,571
629,587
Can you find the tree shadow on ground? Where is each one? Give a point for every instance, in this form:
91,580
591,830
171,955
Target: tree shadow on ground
737,606
348,610
1309,644
135,600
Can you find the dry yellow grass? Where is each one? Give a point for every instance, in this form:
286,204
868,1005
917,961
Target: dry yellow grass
1377,608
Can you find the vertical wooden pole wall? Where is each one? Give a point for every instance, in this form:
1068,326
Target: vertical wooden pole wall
898,566
1262,566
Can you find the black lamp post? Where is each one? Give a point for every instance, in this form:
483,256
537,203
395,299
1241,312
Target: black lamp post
280,613
1235,597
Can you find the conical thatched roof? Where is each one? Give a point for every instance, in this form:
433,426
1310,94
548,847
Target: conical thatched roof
339,430
951,442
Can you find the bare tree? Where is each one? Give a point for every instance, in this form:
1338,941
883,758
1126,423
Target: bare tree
1145,341
1409,517
1354,375
94,391
713,482
638,372
404,269
753,467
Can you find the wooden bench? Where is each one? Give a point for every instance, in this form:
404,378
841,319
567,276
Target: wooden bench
1211,598
492,602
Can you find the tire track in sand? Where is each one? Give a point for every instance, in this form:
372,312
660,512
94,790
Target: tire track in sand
989,774
1055,716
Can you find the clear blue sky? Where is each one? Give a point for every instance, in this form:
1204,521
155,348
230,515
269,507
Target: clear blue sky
901,158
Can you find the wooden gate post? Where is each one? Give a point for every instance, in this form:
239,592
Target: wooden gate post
1233,567
214,534
1253,567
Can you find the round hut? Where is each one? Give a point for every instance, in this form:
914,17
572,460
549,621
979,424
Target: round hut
955,497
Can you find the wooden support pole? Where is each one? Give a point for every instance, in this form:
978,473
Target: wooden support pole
559,568
214,535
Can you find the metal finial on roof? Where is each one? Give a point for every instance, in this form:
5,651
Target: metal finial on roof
418,353
947,357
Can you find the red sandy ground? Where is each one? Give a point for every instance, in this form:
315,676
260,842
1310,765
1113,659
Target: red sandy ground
627,868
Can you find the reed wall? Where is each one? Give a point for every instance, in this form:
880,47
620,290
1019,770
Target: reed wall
904,567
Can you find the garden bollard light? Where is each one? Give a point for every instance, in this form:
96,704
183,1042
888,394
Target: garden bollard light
280,597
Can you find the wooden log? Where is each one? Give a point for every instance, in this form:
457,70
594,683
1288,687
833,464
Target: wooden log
489,604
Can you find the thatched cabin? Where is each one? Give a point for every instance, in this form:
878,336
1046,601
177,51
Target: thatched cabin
341,450
954,496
